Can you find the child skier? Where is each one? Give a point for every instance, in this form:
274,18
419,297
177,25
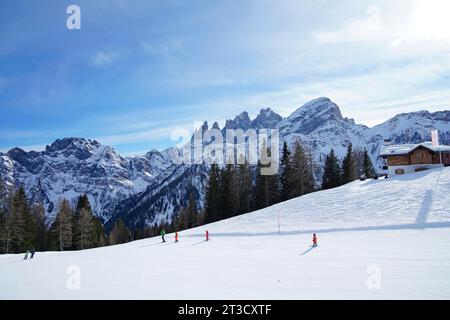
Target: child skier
314,240
163,233
26,255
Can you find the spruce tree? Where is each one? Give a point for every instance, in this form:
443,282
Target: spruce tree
182,223
41,242
245,188
21,231
368,169
266,190
3,217
331,177
86,225
286,180
3,197
349,170
7,223
2,231
62,226
120,233
302,176
235,190
192,211
212,197
225,192
98,233
82,223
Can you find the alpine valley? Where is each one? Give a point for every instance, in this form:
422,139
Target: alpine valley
151,188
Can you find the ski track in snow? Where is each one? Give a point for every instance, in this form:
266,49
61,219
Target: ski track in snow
399,226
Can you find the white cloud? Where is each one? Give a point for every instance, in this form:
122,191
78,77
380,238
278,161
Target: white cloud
420,27
361,29
103,58
163,48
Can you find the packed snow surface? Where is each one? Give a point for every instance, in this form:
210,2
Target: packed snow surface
384,239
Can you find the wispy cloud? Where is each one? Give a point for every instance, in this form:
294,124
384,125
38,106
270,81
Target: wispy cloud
362,29
163,48
103,59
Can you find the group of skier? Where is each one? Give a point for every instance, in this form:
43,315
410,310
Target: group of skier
29,253
163,233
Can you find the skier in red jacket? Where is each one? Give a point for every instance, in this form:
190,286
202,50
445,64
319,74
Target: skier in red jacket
176,236
314,240
207,235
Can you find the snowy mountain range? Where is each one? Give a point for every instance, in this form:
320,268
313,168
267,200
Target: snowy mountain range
150,188
73,166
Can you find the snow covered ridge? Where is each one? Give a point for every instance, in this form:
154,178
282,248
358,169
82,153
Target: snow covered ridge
376,241
416,201
70,167
151,187
319,124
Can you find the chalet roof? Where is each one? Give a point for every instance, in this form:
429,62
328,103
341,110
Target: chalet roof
399,149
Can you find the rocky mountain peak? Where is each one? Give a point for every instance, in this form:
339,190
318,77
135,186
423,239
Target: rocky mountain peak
267,119
241,121
322,108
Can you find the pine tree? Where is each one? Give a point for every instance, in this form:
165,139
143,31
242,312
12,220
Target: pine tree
20,225
62,226
286,172
7,223
245,189
86,229
225,193
349,172
3,217
235,190
120,233
98,233
368,169
332,172
192,211
41,227
3,197
82,224
266,190
301,177
212,197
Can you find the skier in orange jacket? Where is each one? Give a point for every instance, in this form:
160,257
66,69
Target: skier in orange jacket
207,235
314,240
176,236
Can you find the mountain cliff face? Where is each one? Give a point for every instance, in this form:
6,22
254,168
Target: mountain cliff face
73,166
147,189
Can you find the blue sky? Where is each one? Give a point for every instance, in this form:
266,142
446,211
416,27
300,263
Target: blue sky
137,70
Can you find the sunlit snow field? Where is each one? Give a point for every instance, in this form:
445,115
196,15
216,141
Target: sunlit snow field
385,239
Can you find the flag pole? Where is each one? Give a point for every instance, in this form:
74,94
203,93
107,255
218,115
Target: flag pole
435,143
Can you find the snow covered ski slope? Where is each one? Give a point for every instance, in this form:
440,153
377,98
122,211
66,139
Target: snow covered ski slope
385,239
